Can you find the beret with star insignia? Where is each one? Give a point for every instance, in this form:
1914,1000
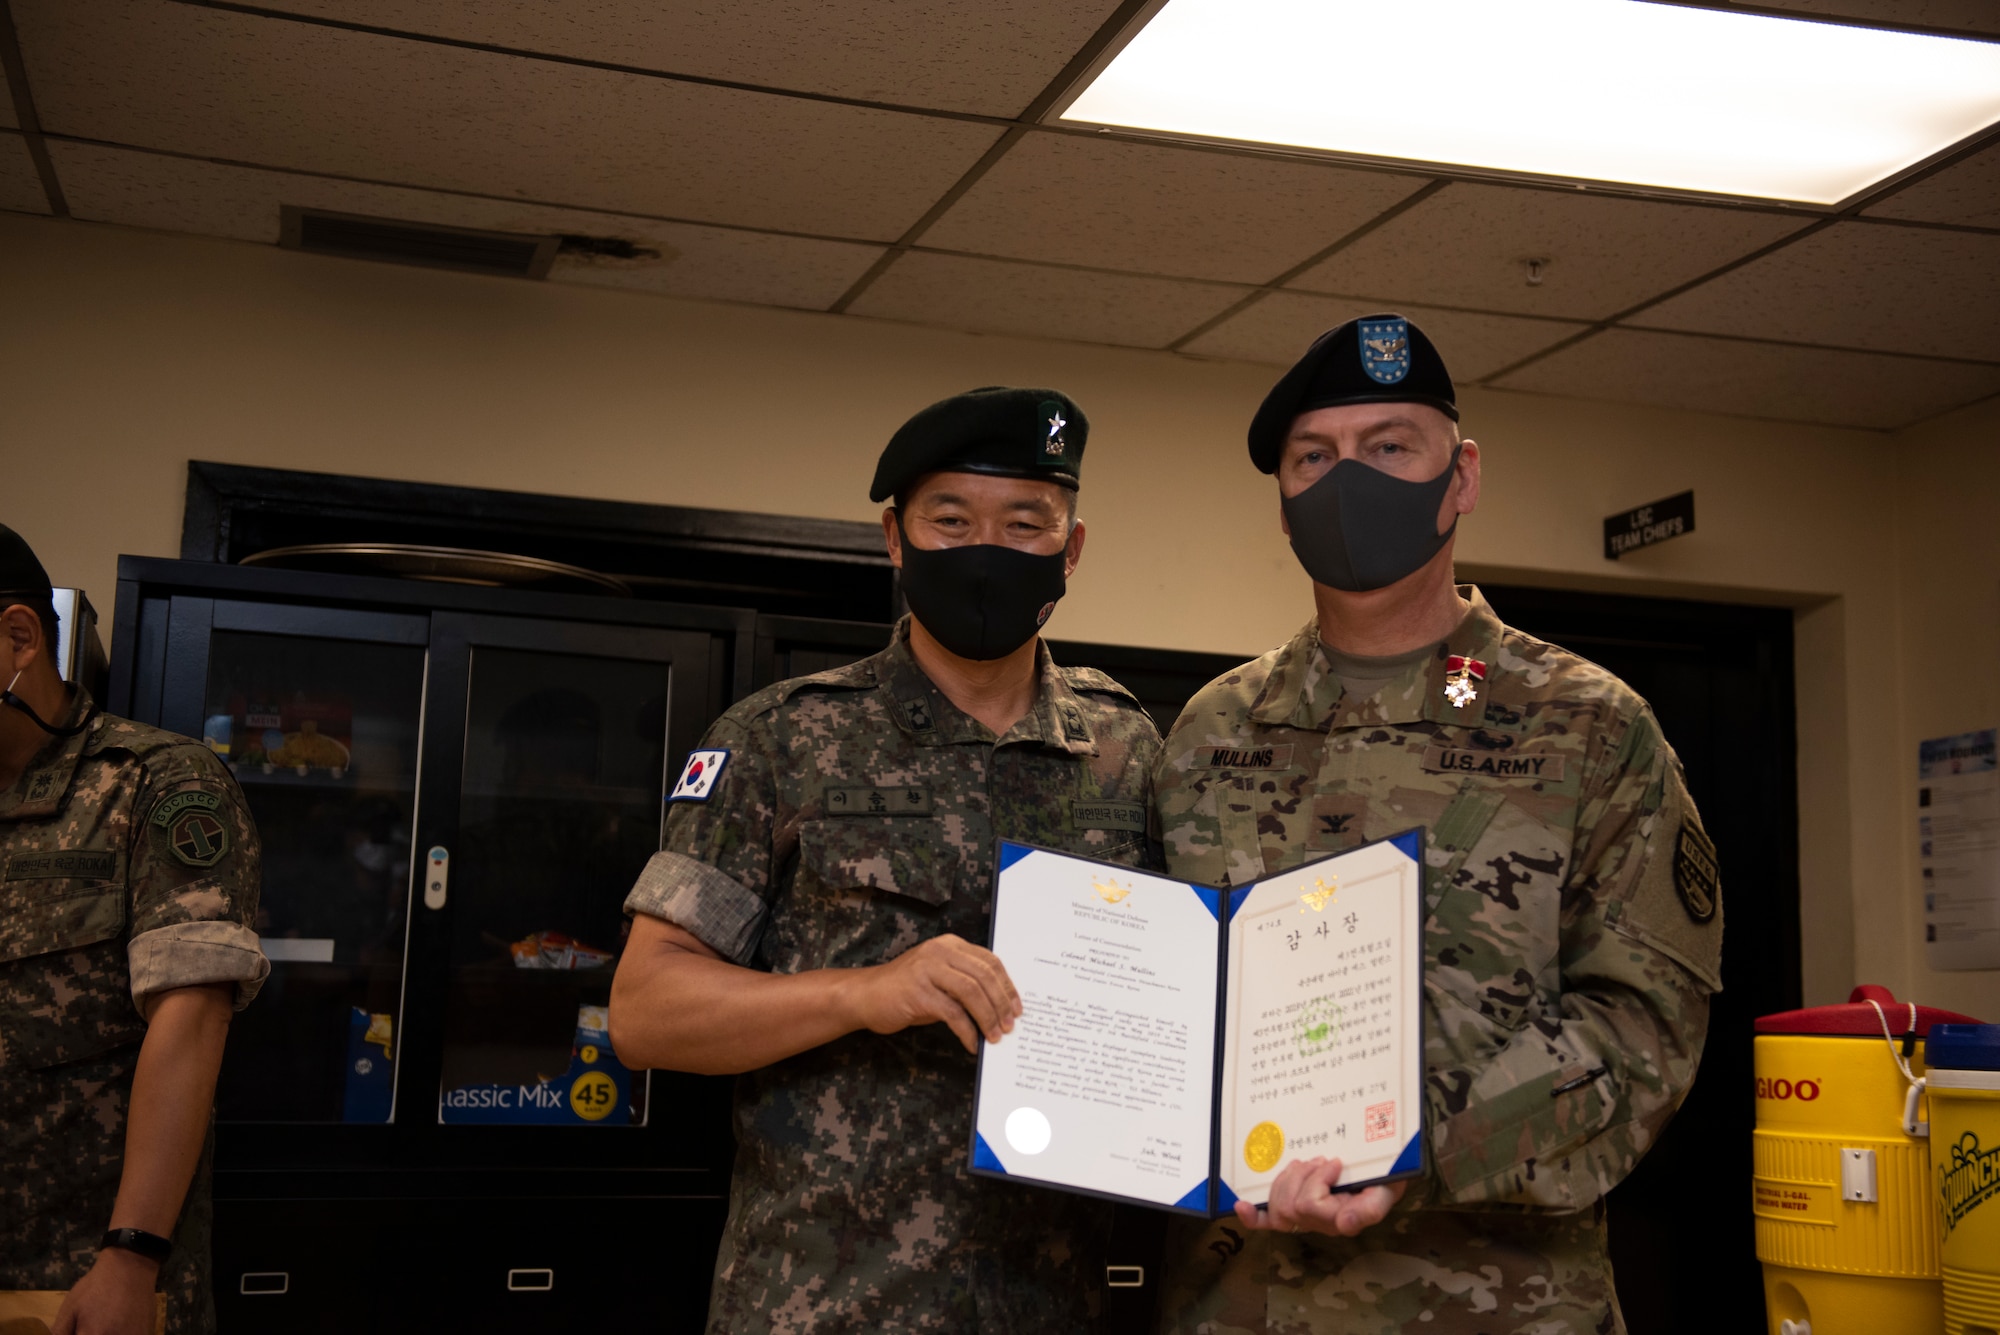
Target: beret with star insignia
1031,433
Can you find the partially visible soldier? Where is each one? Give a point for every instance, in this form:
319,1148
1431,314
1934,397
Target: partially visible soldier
827,871
1574,921
128,881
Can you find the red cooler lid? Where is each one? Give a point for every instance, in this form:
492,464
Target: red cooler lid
1858,1017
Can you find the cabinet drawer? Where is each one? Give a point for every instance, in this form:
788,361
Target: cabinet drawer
504,1263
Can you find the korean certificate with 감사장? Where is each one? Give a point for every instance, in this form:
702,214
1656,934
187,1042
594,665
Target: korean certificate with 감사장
1179,1044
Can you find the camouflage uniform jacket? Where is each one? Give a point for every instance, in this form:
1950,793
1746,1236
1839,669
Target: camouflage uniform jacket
1571,944
855,818
128,866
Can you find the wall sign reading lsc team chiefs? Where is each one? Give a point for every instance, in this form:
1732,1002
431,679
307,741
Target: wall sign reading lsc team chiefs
1648,525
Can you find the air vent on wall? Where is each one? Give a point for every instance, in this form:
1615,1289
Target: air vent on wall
358,237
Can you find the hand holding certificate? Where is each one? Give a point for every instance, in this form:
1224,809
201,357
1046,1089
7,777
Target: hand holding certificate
1179,1045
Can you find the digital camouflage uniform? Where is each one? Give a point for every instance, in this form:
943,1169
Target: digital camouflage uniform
1571,945
128,866
855,818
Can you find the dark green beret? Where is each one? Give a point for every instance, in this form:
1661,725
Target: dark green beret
20,572
1033,433
1375,359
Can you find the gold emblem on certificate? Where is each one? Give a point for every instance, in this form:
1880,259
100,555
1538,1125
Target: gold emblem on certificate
1263,1147
1109,890
1320,895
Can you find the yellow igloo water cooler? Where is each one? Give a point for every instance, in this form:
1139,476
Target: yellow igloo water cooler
1965,1172
1847,1224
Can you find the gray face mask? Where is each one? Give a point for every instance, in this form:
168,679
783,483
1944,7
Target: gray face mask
1358,528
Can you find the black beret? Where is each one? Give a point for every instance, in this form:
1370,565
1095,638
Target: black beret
20,572
1375,359
1033,433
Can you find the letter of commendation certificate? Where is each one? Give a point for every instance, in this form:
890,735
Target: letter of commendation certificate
1178,1044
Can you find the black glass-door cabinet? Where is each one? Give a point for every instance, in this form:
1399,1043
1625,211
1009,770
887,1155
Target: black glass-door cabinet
421,1121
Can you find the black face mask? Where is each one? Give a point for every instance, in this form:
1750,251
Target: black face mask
13,701
1358,528
980,602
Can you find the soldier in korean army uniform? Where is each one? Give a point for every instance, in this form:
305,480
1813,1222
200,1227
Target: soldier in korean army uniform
1574,924
128,881
812,921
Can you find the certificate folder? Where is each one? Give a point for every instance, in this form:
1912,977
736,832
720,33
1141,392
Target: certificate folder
1179,1045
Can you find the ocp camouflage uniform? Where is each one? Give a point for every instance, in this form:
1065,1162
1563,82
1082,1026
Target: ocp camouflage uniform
1571,945
855,818
128,866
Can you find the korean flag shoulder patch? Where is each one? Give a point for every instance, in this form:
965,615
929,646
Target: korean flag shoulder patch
698,776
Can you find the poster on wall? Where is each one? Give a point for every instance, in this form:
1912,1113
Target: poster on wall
1958,834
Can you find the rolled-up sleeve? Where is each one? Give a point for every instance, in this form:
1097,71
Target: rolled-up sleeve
196,871
713,874
724,915
190,954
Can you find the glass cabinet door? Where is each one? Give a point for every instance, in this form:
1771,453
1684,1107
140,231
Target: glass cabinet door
322,736
559,807
561,736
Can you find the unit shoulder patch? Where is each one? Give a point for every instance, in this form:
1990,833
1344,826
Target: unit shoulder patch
698,776
1542,767
1695,873
188,825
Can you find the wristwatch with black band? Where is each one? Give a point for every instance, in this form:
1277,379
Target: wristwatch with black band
149,1245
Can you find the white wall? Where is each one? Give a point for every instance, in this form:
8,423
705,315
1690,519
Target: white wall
124,354
1948,637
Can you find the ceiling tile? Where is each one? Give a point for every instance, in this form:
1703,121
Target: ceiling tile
1966,192
213,83
1151,208
20,185
1279,328
986,56
1468,245
182,195
1756,379
723,265
1002,297
1858,285
1969,15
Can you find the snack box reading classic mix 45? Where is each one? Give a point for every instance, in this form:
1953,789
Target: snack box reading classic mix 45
595,1091
1179,1045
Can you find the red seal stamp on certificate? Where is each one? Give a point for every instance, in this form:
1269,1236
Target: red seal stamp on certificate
1379,1122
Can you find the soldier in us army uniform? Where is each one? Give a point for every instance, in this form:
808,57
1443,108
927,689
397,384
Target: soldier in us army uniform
128,880
1573,926
827,871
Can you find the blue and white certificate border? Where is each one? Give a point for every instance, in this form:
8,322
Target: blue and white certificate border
1411,1160
986,1161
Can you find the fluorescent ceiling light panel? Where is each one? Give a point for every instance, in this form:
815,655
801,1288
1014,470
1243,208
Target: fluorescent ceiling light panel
1656,95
